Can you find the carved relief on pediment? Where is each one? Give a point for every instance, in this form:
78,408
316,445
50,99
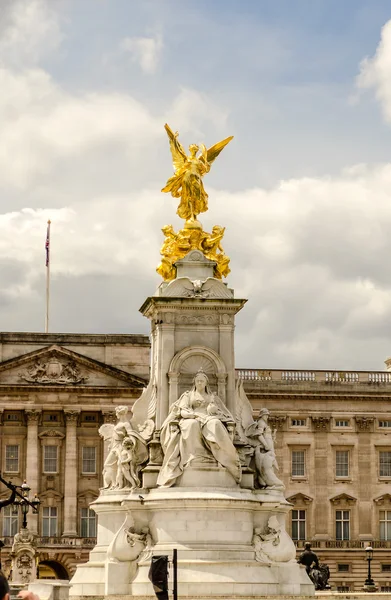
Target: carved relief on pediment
53,371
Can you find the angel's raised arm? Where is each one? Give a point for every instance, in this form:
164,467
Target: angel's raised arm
178,154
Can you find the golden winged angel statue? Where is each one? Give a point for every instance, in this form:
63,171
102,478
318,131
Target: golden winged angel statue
186,183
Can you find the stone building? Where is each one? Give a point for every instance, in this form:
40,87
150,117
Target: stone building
334,450
55,392
333,447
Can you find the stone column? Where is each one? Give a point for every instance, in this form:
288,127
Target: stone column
33,465
71,474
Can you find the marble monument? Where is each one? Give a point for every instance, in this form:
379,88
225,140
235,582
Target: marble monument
191,468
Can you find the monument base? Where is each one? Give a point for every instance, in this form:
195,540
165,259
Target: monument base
212,530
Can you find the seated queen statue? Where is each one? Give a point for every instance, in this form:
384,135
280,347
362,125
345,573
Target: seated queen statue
197,431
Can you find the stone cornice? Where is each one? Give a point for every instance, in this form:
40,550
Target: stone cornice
154,303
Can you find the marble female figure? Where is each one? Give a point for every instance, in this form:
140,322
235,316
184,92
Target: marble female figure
195,432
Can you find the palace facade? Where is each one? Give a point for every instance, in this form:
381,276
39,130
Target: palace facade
333,446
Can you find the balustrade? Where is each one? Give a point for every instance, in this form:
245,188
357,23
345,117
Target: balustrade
327,377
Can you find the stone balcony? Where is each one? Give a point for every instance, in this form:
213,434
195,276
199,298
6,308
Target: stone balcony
344,544
63,542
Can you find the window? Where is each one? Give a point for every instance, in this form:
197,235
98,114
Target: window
298,525
342,423
385,525
87,523
10,520
384,423
49,521
342,463
50,459
298,422
343,568
385,464
13,417
89,459
298,463
52,417
386,568
12,459
89,418
342,525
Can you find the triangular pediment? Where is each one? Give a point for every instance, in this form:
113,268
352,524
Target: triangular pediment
343,499
50,495
58,366
383,499
299,498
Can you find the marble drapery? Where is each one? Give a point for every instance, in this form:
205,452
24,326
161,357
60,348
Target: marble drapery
196,432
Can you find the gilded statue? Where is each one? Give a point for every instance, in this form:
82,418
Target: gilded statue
186,183
177,245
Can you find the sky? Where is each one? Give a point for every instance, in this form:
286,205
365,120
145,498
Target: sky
304,189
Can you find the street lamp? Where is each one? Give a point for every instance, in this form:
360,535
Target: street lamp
369,585
24,502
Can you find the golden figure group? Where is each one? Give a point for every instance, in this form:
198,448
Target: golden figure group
177,245
186,184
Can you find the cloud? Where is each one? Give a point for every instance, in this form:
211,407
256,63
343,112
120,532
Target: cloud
145,51
309,255
375,72
29,30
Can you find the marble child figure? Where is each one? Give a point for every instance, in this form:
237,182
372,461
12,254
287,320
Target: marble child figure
127,452
197,431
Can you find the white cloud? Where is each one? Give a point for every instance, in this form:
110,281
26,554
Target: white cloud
29,30
375,72
145,51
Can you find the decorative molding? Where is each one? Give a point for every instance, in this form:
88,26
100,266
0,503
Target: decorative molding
320,422
364,423
300,499
277,421
226,319
109,416
194,319
384,499
343,500
71,416
51,495
32,415
51,433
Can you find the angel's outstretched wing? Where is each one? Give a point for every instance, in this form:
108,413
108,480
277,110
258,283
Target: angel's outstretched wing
145,407
213,288
213,152
244,411
178,154
106,431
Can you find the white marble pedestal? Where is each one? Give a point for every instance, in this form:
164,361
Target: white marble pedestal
212,529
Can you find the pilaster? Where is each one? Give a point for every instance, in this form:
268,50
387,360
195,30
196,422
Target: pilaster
33,466
71,474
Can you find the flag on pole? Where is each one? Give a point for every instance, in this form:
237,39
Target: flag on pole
47,244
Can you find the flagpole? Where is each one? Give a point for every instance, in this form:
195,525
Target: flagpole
47,247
